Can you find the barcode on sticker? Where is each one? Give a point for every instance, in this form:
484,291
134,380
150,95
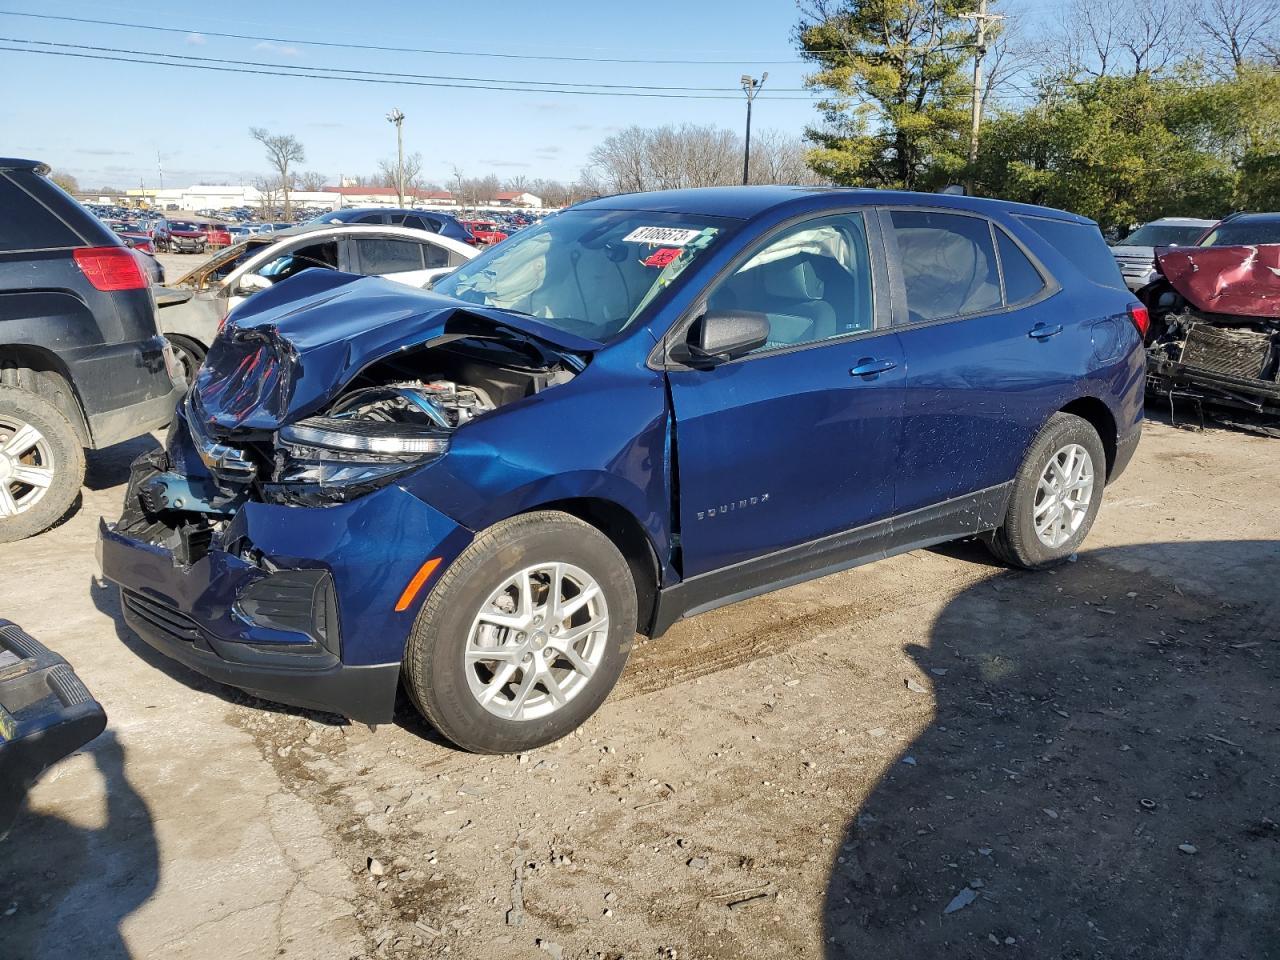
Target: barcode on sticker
666,236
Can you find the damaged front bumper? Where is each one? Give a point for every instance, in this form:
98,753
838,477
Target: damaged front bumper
293,604
1220,366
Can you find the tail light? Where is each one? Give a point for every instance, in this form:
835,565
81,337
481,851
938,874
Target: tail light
1141,319
110,268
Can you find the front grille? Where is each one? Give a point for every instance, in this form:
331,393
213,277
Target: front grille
1234,353
162,617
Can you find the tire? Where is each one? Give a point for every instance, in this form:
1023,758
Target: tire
438,670
1017,542
56,455
189,355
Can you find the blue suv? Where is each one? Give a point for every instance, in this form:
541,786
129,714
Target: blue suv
642,408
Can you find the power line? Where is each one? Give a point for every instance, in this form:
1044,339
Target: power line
375,73
307,74
385,49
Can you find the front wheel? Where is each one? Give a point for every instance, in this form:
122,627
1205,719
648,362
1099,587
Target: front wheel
524,636
1056,495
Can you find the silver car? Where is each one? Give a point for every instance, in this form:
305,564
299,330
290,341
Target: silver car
1136,253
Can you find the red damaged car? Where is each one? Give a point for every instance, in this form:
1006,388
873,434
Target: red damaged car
1215,331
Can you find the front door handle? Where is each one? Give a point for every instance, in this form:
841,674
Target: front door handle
1043,332
869,367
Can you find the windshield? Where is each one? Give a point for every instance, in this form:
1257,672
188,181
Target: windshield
1242,232
217,267
183,225
586,272
1164,235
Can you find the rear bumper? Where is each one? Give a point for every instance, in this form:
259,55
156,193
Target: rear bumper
125,388
1126,446
114,426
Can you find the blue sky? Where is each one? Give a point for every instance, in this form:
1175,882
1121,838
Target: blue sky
105,121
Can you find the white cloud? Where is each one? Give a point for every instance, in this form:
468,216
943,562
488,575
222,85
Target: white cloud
196,39
282,49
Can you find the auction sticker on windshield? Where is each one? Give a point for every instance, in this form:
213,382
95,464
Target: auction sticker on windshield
666,236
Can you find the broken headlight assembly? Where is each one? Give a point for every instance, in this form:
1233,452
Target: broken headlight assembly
370,437
334,452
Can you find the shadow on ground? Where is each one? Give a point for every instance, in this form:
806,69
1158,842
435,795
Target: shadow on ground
1102,775
69,886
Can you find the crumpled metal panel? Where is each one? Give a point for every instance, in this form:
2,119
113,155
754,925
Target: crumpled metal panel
288,350
1241,281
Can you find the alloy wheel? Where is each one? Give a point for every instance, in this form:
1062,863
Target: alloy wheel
1063,495
26,466
537,641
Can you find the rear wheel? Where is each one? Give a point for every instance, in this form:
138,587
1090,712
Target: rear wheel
1056,495
41,464
524,636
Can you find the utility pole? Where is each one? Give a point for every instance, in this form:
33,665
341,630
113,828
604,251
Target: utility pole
396,117
750,86
980,19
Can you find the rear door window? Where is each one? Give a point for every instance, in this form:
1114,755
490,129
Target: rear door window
948,264
380,255
436,256
1082,244
26,223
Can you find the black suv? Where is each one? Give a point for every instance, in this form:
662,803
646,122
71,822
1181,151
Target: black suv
81,364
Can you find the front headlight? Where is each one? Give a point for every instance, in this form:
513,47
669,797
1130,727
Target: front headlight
348,456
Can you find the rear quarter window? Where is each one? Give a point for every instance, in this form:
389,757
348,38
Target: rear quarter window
25,222
1082,244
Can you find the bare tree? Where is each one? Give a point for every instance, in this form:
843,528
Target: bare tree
1095,39
778,157
282,150
1239,30
413,164
268,194
666,158
312,180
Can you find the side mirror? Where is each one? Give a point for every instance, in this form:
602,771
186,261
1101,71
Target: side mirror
250,284
721,335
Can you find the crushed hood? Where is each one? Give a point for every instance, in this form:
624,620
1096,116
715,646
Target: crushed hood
286,352
1240,281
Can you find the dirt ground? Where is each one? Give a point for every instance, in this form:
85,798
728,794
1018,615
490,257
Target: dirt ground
929,756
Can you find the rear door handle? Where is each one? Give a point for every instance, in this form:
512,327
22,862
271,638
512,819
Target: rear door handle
1043,332
869,367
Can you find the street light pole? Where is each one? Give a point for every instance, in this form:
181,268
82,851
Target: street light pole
396,117
975,106
750,86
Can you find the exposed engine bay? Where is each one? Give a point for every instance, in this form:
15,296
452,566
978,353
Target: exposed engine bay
1196,351
396,415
